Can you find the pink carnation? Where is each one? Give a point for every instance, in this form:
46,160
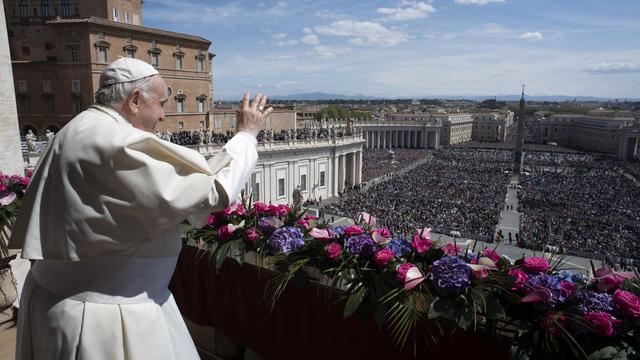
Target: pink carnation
601,323
421,244
353,230
333,251
226,232
568,288
253,234
627,303
451,250
24,181
213,220
383,256
281,210
536,264
234,209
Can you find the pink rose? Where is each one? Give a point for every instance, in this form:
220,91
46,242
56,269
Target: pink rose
608,279
333,251
381,236
3,187
367,219
353,230
491,254
321,234
536,265
552,323
24,181
213,220
261,208
401,271
226,232
567,287
451,250
383,256
421,244
600,323
627,303
253,234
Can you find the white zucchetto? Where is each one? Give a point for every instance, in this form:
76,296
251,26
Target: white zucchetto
125,70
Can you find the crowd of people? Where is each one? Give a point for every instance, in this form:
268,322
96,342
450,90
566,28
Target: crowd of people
584,210
453,191
206,137
379,162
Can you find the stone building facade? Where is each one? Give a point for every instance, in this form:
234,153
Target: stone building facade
491,126
59,49
584,132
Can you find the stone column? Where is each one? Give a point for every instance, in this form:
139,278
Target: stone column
335,175
341,172
359,167
10,153
384,139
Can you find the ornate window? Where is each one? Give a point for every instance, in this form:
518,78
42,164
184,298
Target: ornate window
180,99
201,103
155,55
102,49
179,56
200,61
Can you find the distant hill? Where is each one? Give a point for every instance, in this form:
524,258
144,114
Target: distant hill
322,96
329,96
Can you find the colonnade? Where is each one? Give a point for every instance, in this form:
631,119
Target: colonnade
401,138
347,170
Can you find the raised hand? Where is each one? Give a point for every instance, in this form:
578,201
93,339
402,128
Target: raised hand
252,117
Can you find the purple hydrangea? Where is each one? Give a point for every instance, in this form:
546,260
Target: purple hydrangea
450,276
399,246
590,301
286,239
360,245
567,275
551,283
338,230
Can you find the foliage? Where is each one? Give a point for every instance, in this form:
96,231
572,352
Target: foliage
404,283
339,113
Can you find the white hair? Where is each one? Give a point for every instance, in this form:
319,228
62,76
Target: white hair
115,95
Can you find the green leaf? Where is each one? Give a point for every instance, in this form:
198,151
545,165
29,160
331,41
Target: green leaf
354,301
221,254
438,307
494,310
609,352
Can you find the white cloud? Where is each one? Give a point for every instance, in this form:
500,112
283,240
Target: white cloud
489,29
477,2
328,52
365,33
415,10
307,30
311,39
327,14
287,43
279,36
613,68
531,36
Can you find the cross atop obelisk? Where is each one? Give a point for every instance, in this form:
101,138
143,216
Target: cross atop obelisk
518,153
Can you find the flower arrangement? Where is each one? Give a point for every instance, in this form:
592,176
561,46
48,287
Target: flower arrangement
403,282
12,190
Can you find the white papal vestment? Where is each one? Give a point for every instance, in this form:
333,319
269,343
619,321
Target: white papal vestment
101,218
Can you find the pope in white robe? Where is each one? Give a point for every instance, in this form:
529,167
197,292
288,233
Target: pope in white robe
101,221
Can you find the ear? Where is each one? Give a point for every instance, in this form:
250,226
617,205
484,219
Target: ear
135,98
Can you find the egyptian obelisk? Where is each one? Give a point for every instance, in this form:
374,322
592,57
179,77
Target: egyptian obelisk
518,152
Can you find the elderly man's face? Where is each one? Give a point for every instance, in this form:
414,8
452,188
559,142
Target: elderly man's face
152,106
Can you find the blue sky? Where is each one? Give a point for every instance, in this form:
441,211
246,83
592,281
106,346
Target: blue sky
406,48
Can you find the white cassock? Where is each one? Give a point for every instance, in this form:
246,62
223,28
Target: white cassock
101,217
